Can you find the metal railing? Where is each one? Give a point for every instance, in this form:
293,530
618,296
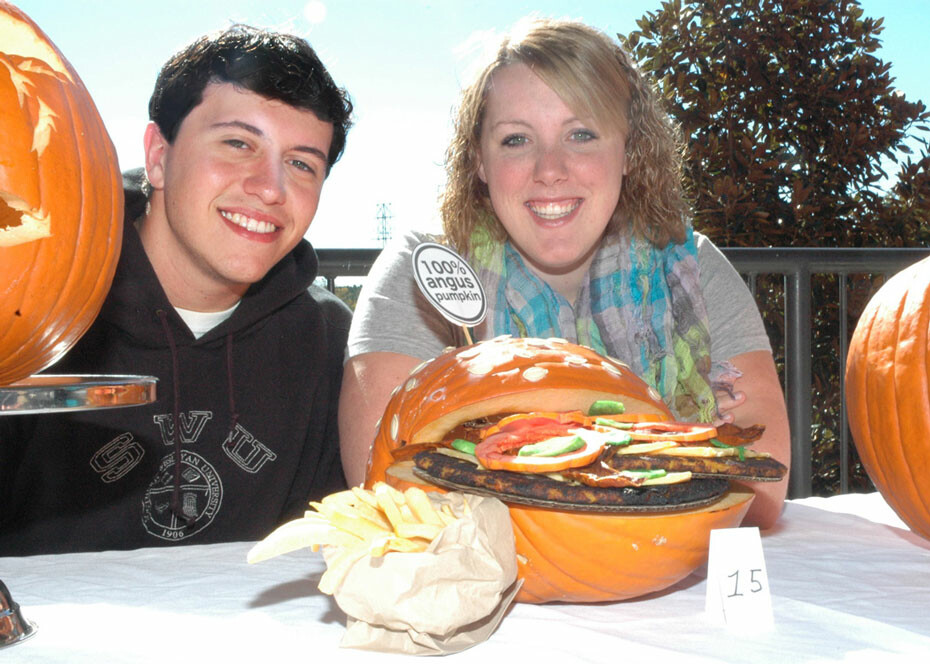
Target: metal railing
335,263
796,265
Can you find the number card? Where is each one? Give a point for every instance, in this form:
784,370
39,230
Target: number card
449,283
738,592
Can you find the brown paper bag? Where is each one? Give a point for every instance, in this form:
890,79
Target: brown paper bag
443,600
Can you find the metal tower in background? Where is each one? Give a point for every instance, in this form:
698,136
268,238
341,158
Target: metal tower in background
384,223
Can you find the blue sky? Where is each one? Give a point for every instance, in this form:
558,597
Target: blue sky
401,60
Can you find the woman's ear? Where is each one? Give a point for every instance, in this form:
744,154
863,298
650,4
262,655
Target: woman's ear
481,174
156,151
626,158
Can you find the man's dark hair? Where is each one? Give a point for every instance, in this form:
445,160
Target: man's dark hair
271,64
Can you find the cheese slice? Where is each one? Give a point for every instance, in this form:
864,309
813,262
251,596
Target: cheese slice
448,451
647,448
669,478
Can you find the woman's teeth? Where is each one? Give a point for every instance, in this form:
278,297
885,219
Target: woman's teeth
554,210
252,225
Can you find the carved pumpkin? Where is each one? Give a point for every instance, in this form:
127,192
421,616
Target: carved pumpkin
888,393
61,202
562,555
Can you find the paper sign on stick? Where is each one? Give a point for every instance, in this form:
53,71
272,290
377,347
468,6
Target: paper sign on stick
738,592
449,283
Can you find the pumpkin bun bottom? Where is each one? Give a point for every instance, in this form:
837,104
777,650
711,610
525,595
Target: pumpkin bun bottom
567,556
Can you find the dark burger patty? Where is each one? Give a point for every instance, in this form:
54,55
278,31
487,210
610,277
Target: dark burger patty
451,472
760,469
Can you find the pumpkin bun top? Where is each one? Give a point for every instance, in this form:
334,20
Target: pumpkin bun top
507,375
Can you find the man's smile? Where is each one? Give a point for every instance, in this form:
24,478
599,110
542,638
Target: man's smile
248,223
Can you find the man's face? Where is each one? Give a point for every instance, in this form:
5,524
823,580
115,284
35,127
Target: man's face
235,191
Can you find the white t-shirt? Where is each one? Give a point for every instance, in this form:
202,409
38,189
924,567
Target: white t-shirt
201,322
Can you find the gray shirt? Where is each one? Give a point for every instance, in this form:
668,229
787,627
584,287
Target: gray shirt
393,316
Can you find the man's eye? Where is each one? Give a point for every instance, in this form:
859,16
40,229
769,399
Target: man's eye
513,140
302,165
236,143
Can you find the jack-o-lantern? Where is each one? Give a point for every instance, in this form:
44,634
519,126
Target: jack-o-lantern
61,201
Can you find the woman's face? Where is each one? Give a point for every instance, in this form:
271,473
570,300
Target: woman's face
554,178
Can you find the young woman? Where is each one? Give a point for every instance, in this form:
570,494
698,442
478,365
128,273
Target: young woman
564,193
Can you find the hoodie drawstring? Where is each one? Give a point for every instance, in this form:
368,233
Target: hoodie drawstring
234,415
175,503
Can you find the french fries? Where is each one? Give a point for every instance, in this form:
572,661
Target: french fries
359,522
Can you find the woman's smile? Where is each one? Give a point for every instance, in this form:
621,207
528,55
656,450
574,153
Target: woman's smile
554,210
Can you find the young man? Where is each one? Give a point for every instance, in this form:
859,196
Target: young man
213,295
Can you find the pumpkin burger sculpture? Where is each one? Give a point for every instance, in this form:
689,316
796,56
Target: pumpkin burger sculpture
61,202
609,497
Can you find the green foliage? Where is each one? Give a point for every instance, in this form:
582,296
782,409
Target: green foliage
790,122
348,294
792,128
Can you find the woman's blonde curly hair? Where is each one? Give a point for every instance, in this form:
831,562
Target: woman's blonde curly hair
597,79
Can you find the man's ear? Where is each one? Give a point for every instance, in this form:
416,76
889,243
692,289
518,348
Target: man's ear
156,152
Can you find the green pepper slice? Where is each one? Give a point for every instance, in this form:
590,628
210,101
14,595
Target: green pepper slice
606,407
552,446
463,445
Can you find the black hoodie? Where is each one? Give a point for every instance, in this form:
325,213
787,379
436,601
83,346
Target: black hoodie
255,397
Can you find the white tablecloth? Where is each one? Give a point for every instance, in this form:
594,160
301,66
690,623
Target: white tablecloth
845,588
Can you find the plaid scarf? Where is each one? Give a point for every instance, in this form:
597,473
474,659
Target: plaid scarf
640,304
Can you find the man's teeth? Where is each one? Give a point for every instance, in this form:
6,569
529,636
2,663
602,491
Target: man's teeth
553,210
253,225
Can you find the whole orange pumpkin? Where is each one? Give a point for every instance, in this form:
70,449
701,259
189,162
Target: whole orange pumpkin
888,393
562,555
61,201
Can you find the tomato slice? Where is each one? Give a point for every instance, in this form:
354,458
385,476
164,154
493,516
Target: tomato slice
677,431
499,442
517,433
492,454
530,420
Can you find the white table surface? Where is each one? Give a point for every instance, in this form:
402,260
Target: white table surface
849,583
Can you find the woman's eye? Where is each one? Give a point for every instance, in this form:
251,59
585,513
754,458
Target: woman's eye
513,140
583,135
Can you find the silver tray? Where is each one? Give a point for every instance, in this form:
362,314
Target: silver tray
45,393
